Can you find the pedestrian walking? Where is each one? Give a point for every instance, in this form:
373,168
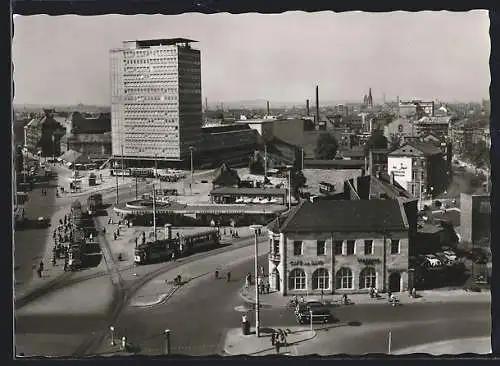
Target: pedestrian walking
228,276
273,338
40,269
268,287
65,264
277,347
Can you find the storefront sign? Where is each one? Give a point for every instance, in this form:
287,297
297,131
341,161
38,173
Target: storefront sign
369,261
307,263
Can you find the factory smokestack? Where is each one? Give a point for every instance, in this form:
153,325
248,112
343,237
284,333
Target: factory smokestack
307,107
268,108
317,104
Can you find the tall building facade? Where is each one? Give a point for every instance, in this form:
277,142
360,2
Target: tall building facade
156,103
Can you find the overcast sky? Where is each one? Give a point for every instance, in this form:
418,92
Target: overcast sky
426,55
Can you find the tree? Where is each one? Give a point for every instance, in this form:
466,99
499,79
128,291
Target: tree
256,165
377,140
297,181
326,147
394,142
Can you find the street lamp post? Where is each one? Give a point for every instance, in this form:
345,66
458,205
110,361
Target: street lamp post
311,319
167,341
389,343
116,177
384,285
112,329
255,229
191,148
123,167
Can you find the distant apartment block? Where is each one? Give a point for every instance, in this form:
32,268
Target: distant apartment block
156,104
409,108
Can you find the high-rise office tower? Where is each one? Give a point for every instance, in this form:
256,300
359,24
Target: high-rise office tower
156,103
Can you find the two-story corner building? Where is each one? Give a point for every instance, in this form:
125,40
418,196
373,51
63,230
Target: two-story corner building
339,247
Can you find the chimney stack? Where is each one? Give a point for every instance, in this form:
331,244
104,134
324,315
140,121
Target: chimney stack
268,108
307,107
317,104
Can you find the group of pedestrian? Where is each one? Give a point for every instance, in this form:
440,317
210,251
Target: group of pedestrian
279,339
62,236
264,286
44,191
373,293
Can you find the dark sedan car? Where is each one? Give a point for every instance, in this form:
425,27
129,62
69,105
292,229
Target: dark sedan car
319,312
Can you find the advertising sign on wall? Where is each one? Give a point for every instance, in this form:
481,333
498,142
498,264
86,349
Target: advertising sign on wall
401,168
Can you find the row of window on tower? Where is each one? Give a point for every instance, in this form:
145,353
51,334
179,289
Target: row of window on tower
297,279
341,247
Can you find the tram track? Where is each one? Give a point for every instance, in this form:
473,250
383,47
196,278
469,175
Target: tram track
94,341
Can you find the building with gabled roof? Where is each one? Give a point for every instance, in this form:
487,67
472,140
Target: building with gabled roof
419,167
225,177
339,246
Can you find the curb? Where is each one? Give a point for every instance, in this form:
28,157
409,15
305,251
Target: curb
479,297
227,353
252,301
164,298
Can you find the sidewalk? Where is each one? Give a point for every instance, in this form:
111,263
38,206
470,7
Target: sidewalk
51,274
238,344
275,299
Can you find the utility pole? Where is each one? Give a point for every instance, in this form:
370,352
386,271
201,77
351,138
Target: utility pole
265,160
136,190
154,212
255,229
289,188
123,167
302,165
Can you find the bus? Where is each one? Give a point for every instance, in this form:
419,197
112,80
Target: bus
121,172
94,203
326,188
180,246
142,172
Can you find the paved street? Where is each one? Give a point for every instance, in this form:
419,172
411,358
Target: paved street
199,315
29,244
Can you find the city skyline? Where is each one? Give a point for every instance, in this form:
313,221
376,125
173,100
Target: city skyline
454,59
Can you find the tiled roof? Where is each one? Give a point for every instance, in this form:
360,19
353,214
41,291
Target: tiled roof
248,191
346,216
426,148
226,176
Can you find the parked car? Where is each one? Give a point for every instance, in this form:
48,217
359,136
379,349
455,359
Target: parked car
444,259
42,222
317,309
433,260
451,255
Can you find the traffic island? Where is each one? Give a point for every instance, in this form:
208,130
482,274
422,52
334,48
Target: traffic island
236,343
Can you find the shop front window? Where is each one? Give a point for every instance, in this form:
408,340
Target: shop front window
343,279
297,279
367,278
321,279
